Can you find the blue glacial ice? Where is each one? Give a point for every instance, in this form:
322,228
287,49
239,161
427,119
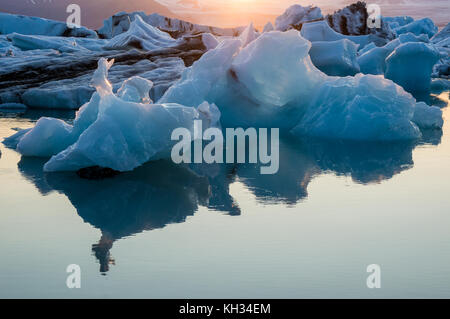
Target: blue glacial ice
335,57
142,36
418,27
373,60
306,83
321,31
291,93
410,65
116,131
10,23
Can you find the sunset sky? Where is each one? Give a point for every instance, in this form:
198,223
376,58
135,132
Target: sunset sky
225,13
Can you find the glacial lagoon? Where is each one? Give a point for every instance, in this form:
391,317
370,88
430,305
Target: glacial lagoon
226,231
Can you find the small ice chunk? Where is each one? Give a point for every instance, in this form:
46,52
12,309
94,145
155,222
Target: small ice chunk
48,137
442,35
13,140
135,89
210,41
427,117
248,35
268,27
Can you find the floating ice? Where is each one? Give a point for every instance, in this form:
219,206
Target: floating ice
367,48
266,80
49,137
418,27
395,22
120,23
109,131
210,41
268,27
290,93
62,44
295,15
276,83
321,31
135,89
427,117
442,35
373,61
10,23
335,57
142,36
364,107
204,76
248,35
411,64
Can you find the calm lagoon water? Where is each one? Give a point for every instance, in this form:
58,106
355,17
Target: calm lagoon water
164,231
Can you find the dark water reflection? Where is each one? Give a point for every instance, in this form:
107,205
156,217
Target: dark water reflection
161,193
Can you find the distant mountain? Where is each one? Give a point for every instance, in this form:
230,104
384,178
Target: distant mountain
93,12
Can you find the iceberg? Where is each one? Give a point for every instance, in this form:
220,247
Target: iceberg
373,60
335,57
10,23
364,107
410,65
121,22
142,36
395,22
305,83
61,44
292,94
115,131
428,117
48,137
443,35
418,27
295,15
204,76
321,31
210,41
268,27
248,35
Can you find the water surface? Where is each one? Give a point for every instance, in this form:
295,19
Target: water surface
168,231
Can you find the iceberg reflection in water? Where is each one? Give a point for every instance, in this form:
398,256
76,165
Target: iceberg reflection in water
161,193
